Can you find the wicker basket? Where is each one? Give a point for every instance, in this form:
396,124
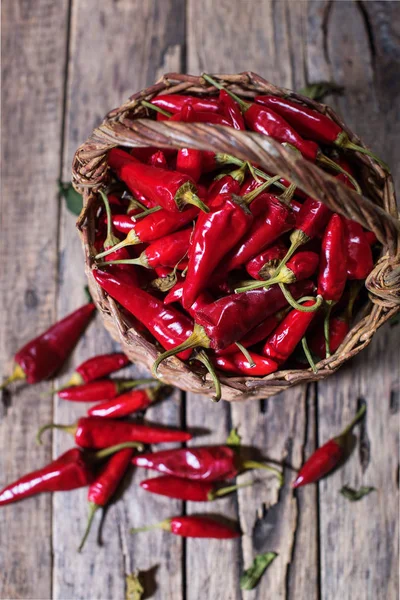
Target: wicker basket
128,126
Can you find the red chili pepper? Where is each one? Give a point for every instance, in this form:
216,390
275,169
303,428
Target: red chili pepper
176,294
238,364
103,488
264,264
99,432
188,114
103,389
193,527
158,160
327,457
282,343
144,154
162,187
174,103
190,161
169,326
97,367
230,109
257,334
125,404
194,491
333,267
359,256
371,237
312,124
228,184
203,463
44,355
68,472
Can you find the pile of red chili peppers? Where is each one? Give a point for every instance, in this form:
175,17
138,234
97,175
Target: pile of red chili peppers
251,276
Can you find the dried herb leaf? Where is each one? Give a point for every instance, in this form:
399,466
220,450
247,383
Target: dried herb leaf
355,495
253,574
233,438
320,89
134,589
74,201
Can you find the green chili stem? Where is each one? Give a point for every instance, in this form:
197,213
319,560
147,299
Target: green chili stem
110,240
228,490
197,338
247,354
68,428
17,374
161,525
252,464
351,146
92,511
203,358
324,160
308,354
326,331
359,415
145,213
296,305
248,198
243,105
156,108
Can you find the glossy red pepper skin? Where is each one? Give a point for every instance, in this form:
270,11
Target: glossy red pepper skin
323,460
103,389
189,115
339,327
101,365
175,102
282,343
312,218
166,251
176,294
162,223
333,263
124,223
210,242
190,162
158,160
123,405
303,265
99,432
204,463
201,527
237,364
182,489
226,185
68,472
168,326
309,123
359,255
144,154
44,355
161,187
263,265
272,219
228,319
104,486
230,109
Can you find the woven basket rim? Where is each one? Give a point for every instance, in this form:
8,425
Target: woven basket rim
126,126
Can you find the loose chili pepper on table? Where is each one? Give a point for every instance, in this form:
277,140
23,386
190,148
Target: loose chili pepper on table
202,463
99,432
194,527
97,367
169,189
181,489
43,356
125,404
328,456
102,389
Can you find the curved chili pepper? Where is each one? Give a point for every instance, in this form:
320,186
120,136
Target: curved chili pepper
189,114
193,527
257,334
190,162
359,256
174,103
264,264
44,355
327,457
194,491
203,463
312,124
97,367
169,189
230,109
176,294
125,404
167,325
99,432
164,252
333,266
282,343
158,160
238,364
103,389
104,486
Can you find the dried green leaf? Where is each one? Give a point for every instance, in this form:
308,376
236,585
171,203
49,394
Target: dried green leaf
320,89
134,589
74,201
253,574
355,495
233,438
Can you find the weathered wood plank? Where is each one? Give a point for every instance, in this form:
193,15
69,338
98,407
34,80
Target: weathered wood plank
33,57
360,50
116,49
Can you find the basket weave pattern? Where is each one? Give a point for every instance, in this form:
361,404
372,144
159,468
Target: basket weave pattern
128,126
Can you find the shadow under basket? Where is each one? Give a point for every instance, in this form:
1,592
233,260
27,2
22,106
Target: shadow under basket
132,126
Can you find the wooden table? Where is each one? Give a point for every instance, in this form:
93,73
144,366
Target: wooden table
65,64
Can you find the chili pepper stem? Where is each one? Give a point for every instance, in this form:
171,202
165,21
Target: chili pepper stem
110,240
326,330
106,452
213,495
17,374
130,240
68,428
243,105
308,354
285,276
252,464
140,261
229,159
246,353
156,108
331,164
166,525
288,193
203,358
248,198
360,413
297,239
197,338
146,212
92,511
297,305
186,195
343,142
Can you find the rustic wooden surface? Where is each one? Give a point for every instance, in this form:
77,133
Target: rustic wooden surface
65,65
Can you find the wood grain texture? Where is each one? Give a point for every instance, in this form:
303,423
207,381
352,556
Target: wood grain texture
115,48
33,58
